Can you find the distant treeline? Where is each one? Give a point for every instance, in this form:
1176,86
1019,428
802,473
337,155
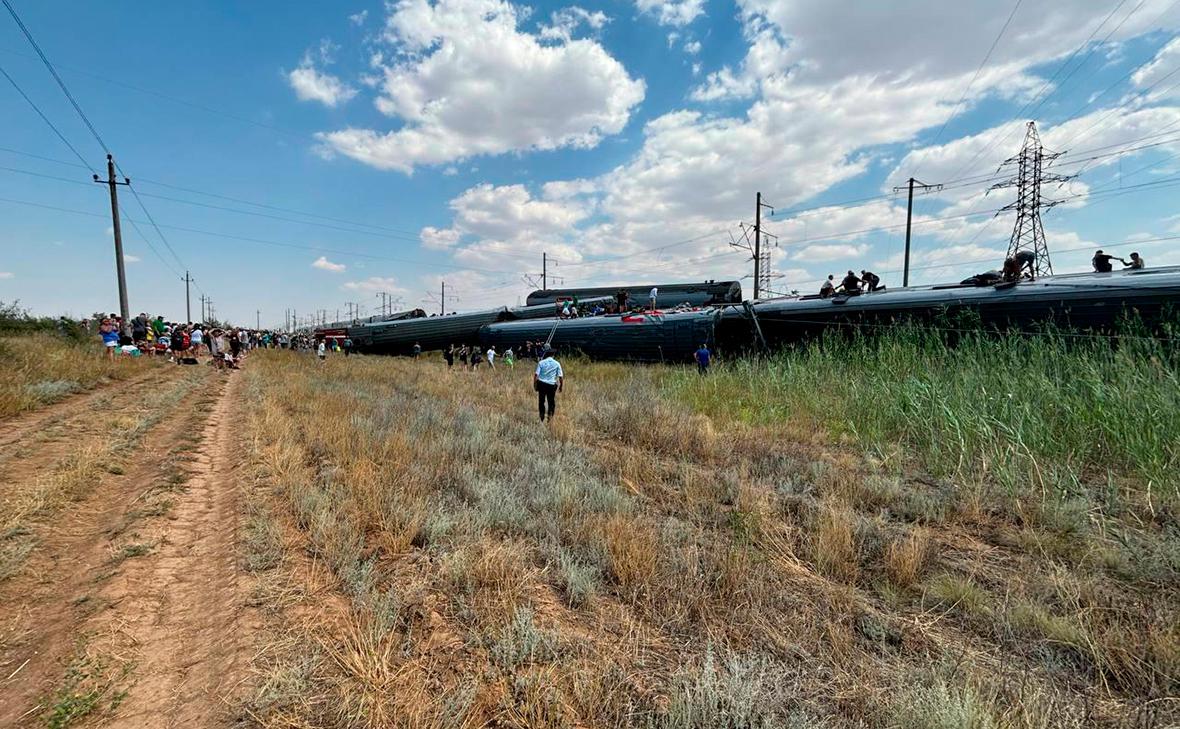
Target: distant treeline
17,320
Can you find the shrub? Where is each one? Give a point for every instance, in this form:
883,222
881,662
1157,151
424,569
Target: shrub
939,705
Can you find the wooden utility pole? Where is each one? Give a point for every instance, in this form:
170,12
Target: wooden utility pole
909,216
124,306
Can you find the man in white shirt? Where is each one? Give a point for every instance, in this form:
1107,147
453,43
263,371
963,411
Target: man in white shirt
491,357
548,381
655,291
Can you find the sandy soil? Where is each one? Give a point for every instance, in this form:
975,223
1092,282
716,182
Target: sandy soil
131,595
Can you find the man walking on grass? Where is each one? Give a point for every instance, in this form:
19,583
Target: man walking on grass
548,381
702,357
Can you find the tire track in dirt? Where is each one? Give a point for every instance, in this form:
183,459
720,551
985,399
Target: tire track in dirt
162,605
182,605
15,431
48,599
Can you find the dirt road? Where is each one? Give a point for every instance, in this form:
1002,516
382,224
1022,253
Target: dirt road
119,571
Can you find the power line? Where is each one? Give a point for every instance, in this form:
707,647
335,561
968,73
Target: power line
1166,182
1041,95
1147,241
44,118
152,220
174,99
263,241
53,71
974,78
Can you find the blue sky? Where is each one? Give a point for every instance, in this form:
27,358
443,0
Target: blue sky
457,140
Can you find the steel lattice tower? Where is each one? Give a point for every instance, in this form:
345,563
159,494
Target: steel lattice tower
1028,234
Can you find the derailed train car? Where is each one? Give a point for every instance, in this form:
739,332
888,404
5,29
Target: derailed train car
1080,301
704,293
398,336
431,332
1088,301
671,337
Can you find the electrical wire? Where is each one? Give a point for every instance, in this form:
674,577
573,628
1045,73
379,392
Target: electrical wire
263,241
975,78
44,118
53,71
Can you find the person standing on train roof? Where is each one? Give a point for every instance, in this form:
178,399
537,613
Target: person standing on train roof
548,380
655,293
1101,262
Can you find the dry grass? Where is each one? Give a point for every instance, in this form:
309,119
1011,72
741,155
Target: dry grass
906,557
42,369
434,557
109,438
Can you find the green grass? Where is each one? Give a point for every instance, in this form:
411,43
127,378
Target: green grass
1021,412
757,562
91,686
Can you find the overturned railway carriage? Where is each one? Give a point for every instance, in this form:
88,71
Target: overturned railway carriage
398,336
431,332
1094,301
705,293
640,338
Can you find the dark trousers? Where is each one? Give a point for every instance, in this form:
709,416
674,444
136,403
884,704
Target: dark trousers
546,393
702,368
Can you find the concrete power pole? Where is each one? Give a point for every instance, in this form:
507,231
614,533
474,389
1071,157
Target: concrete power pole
442,305
544,271
124,306
188,306
909,217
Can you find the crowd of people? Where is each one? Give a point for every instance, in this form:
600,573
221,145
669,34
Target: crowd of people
185,343
473,357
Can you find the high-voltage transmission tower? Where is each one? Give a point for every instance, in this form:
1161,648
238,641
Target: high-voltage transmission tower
759,243
1028,234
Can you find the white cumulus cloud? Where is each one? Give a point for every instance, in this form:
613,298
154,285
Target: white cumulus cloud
312,84
324,264
565,22
676,13
375,284
465,80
